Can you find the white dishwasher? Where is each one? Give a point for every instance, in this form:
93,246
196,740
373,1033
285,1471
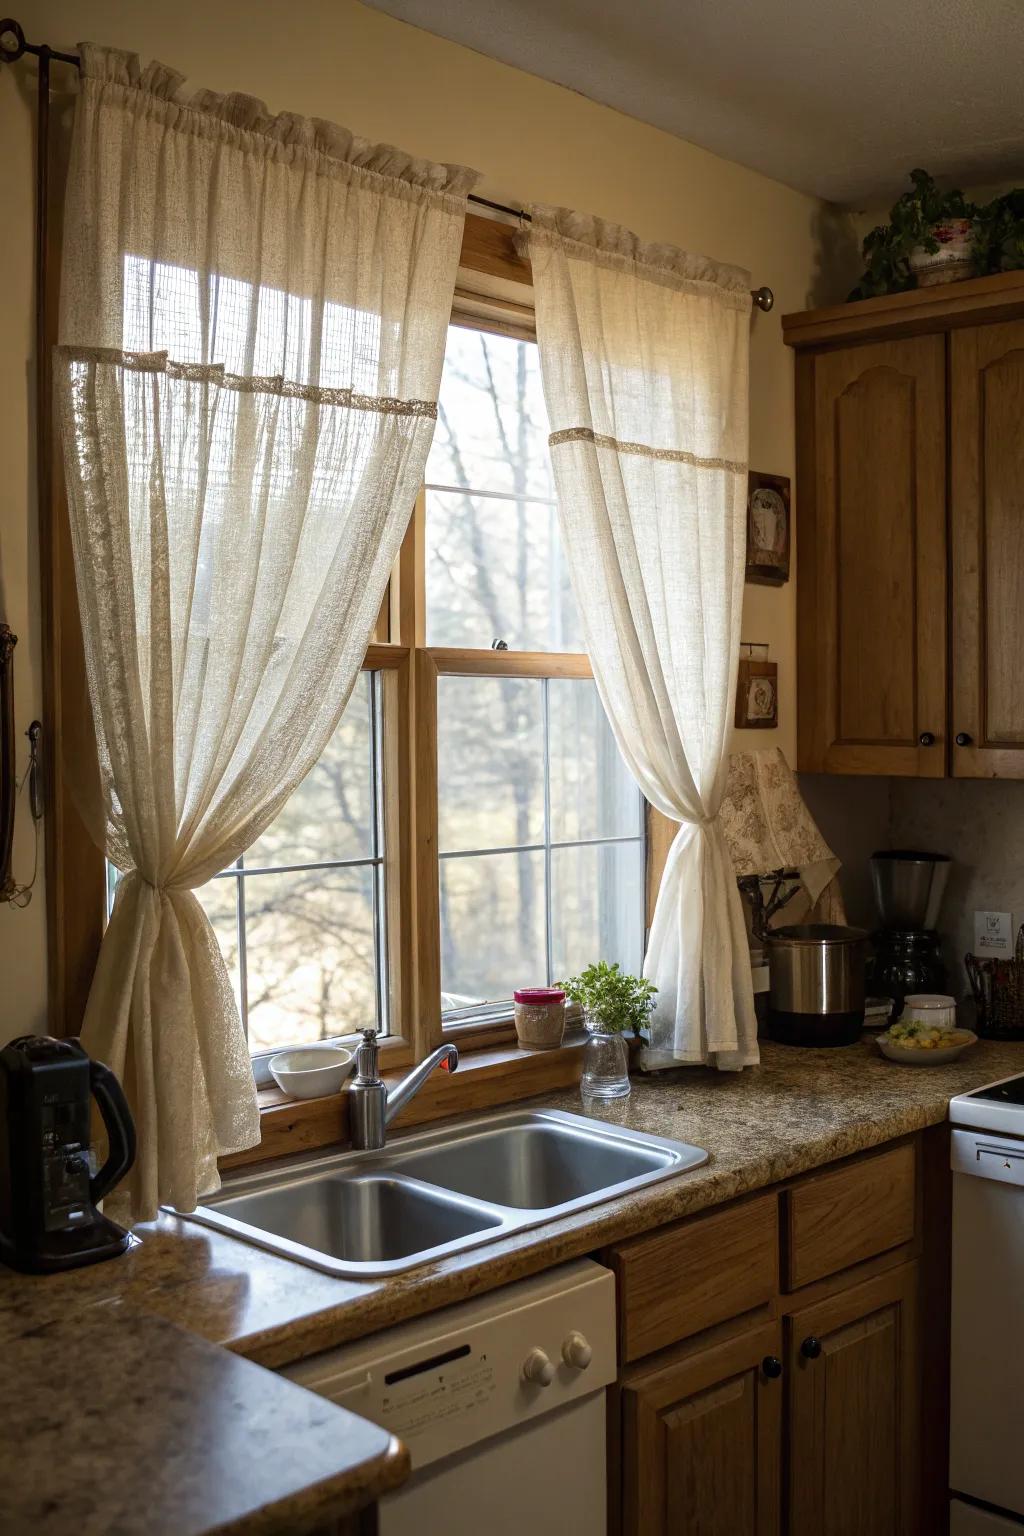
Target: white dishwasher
500,1402
986,1469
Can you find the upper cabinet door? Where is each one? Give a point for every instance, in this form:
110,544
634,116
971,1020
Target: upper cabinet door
871,547
987,529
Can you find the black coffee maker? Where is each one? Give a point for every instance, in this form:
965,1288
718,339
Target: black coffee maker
908,885
48,1215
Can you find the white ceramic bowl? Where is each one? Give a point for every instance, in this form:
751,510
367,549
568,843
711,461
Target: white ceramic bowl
309,1071
941,1055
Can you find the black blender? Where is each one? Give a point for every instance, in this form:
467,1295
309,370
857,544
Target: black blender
908,886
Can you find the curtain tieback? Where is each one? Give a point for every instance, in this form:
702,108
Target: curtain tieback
704,823
162,887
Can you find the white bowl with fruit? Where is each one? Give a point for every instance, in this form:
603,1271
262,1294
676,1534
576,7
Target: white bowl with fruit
918,1044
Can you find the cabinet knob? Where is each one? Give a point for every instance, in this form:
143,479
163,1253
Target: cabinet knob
538,1368
811,1347
963,739
576,1351
771,1367
927,738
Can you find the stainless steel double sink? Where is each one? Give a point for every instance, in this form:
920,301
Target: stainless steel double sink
366,1214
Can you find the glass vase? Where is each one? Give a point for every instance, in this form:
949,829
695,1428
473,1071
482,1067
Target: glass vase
605,1063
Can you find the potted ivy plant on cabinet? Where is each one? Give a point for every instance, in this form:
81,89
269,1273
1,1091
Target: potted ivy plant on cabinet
929,239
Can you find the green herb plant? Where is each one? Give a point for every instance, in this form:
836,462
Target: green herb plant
611,998
886,250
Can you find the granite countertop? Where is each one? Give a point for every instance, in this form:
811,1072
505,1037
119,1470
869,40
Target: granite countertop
798,1110
116,1423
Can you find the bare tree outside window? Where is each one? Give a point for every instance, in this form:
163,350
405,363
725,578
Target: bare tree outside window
299,918
539,823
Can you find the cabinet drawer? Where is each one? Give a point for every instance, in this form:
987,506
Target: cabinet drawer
837,1219
684,1278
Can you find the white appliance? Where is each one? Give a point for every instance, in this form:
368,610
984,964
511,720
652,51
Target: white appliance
500,1402
986,1468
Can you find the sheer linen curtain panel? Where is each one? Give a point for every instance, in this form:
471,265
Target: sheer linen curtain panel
253,322
644,358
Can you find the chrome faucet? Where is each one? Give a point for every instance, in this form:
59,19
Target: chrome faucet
371,1107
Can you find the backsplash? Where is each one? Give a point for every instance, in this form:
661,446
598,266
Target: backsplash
979,822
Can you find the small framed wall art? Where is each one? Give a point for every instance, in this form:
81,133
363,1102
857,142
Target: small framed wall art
767,528
757,690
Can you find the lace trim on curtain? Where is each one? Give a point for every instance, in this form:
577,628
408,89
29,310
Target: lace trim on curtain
589,238
256,384
670,455
234,116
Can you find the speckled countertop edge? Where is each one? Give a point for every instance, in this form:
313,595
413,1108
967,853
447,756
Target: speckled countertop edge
121,1424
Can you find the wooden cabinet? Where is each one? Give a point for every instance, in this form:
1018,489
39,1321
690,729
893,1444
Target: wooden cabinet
871,579
910,462
798,1415
692,1275
852,1402
702,1439
987,532
837,1218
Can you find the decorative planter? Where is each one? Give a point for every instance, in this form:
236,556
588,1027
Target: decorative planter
540,1017
952,261
605,1063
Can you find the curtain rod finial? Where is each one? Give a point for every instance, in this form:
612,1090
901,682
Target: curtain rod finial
12,41
764,299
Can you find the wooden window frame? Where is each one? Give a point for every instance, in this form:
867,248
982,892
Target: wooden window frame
494,1070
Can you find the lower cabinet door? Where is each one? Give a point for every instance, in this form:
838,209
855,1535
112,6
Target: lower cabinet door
701,1441
853,1404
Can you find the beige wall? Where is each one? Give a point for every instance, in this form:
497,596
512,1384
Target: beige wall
532,140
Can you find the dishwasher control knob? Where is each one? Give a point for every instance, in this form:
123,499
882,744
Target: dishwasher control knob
577,1352
538,1368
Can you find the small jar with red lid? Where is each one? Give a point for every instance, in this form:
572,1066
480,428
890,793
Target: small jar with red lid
540,1017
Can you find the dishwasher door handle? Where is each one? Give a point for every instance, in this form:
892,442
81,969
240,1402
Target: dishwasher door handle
988,1157
997,1157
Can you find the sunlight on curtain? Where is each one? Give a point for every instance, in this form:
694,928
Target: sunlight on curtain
253,321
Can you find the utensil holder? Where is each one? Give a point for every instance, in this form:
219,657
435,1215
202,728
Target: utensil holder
998,987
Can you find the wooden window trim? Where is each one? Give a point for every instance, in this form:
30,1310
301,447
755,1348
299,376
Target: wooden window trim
494,1070
487,1078
488,248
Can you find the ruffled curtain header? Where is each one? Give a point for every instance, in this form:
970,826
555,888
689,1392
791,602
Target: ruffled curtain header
216,200
586,237
232,115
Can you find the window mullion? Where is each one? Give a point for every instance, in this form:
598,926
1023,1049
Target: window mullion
548,919
243,973
377,845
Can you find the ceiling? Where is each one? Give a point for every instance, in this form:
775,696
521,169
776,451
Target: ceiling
839,98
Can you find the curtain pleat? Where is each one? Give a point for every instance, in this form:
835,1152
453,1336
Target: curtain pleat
644,357
253,321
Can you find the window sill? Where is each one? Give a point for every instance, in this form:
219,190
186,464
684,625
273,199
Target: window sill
486,1079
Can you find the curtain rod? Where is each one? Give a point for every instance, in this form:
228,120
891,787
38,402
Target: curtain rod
763,298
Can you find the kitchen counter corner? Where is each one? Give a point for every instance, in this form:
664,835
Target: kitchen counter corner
121,1424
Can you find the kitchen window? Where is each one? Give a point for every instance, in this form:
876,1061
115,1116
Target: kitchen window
471,828
531,856
539,824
